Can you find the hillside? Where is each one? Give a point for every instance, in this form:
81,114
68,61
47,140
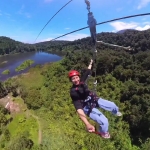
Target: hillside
42,116
47,115
138,40
10,46
125,30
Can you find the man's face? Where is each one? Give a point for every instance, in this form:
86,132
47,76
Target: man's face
75,80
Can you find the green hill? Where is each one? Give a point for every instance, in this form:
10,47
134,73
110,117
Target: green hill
10,46
45,105
138,40
44,117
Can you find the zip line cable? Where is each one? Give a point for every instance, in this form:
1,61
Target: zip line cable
53,17
102,23
92,27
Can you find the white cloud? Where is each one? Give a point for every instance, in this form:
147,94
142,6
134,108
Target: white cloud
122,25
48,1
21,9
67,28
48,39
7,14
143,3
70,37
27,15
143,28
133,25
147,22
119,9
14,36
73,37
22,12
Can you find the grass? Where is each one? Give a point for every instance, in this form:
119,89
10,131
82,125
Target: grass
22,123
6,72
26,120
24,65
33,78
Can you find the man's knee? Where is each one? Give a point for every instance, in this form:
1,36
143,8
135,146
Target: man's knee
113,104
103,121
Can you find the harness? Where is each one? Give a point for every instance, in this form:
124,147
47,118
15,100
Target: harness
89,100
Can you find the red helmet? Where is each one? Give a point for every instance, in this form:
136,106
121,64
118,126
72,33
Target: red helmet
73,73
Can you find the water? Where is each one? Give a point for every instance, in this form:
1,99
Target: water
11,62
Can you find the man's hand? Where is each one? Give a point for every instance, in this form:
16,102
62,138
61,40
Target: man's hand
90,65
90,128
91,61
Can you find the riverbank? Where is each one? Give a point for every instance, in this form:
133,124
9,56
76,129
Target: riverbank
13,61
29,71
4,62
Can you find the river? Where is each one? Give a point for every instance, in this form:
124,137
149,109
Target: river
12,61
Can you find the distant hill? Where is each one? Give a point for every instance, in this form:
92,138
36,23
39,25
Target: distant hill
138,40
122,31
10,46
4,39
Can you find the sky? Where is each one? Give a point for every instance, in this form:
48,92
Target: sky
22,20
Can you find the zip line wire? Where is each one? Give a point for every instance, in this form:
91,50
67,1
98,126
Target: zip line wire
102,23
53,17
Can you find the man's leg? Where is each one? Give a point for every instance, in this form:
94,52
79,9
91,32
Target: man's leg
98,116
109,106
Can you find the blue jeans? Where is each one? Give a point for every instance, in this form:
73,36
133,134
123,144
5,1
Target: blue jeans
98,116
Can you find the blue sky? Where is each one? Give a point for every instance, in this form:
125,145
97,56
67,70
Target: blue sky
22,20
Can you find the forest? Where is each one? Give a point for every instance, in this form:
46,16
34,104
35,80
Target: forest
47,120
10,46
137,40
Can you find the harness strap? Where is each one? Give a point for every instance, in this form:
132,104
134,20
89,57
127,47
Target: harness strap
92,26
92,103
90,110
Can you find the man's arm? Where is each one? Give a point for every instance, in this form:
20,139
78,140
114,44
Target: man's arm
88,72
83,117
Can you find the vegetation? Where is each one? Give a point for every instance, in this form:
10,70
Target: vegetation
9,46
6,71
44,100
138,40
24,65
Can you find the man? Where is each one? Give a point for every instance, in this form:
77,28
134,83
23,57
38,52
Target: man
86,102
